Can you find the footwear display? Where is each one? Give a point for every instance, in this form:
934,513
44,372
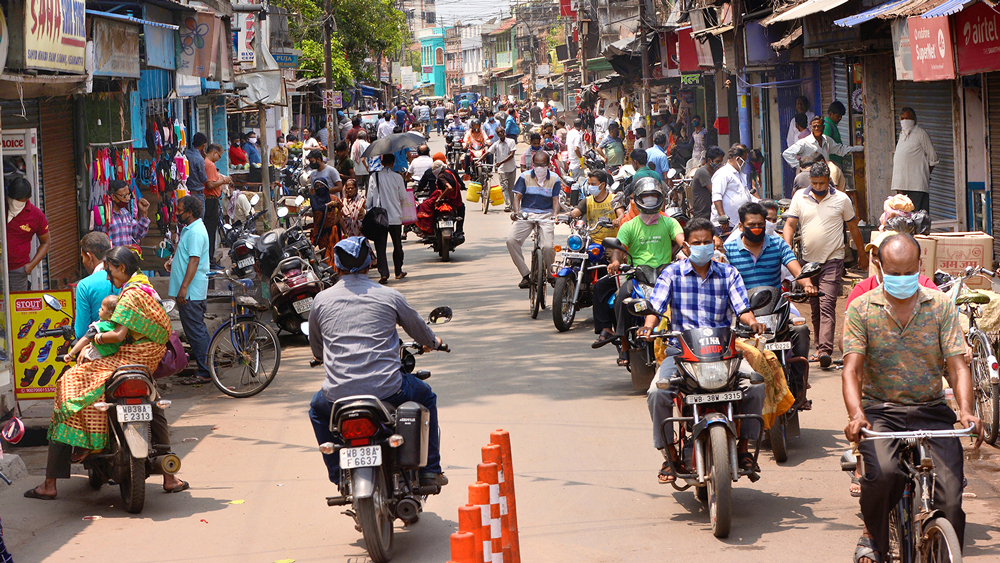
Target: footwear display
64,370
64,348
26,353
29,376
47,374
62,323
23,331
43,354
44,326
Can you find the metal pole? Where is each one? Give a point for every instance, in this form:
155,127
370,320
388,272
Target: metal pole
331,115
265,161
583,47
643,30
7,340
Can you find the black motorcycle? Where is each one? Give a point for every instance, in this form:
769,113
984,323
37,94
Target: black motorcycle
241,240
580,269
444,238
381,450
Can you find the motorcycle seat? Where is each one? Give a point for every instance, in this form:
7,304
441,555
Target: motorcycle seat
381,410
289,265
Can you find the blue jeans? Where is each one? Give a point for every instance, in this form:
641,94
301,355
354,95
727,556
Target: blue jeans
193,320
201,198
440,124
412,389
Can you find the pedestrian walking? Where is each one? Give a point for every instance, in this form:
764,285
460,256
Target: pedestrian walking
503,151
387,190
125,227
439,114
913,161
362,165
24,223
188,269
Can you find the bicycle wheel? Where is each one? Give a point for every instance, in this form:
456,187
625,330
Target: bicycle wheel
542,279
898,534
940,543
533,287
243,360
985,392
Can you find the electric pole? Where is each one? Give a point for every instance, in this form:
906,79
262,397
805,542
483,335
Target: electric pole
582,38
645,105
332,127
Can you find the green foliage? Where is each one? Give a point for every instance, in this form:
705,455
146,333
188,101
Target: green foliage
414,57
312,60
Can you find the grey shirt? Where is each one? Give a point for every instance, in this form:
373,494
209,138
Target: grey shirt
197,176
352,326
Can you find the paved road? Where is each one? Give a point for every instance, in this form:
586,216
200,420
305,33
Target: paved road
584,463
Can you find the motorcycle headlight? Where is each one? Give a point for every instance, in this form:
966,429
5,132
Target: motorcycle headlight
710,375
574,243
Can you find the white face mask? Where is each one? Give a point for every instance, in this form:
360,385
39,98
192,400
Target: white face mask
593,190
252,140
907,124
541,173
14,207
770,227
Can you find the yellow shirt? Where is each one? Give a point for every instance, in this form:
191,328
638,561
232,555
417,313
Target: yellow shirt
279,156
594,211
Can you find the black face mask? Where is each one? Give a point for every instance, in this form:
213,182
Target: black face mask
754,237
314,165
820,193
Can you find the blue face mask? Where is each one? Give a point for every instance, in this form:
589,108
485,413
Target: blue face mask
901,287
701,254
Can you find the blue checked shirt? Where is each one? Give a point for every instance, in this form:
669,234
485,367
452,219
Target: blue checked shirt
125,228
763,270
696,302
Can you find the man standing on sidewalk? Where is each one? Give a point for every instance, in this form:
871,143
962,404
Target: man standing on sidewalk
822,211
189,282
125,227
213,191
197,176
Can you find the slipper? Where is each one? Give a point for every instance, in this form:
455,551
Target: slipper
665,476
383,281
866,548
855,481
401,276
806,405
32,493
623,358
182,487
746,462
195,380
605,337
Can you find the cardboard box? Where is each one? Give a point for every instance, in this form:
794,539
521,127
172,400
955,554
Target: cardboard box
956,251
928,255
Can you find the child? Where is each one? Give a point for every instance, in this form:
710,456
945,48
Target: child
105,335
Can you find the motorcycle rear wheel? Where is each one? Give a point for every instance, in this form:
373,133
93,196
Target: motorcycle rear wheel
376,521
720,484
94,479
445,248
563,307
133,485
779,440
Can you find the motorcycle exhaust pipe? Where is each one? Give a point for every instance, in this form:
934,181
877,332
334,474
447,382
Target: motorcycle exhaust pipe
166,464
407,509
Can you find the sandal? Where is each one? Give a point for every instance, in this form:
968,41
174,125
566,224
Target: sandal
665,476
605,337
33,493
745,462
855,486
195,380
866,549
623,358
184,485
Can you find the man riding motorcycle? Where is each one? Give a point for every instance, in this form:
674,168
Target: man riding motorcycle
649,238
475,140
352,328
701,293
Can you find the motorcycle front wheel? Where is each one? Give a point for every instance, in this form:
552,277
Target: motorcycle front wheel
376,521
779,439
563,307
720,483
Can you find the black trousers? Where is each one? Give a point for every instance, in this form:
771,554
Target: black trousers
883,482
212,219
921,200
60,455
624,319
396,233
604,314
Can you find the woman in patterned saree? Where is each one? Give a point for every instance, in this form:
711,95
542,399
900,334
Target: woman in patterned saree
75,422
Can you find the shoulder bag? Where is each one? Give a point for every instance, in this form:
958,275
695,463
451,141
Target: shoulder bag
174,360
376,220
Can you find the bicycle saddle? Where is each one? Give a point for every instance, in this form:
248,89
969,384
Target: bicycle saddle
973,297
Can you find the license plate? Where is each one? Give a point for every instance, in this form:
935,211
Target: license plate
575,255
365,456
302,305
446,224
714,397
778,346
245,263
134,413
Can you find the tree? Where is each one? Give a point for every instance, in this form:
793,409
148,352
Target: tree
313,60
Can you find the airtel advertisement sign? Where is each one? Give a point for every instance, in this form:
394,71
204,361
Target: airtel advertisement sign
931,48
977,40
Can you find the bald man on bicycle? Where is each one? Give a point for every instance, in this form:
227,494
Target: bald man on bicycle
897,340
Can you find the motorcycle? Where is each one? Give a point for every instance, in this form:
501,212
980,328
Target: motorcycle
129,457
241,240
443,239
387,447
677,203
709,388
578,272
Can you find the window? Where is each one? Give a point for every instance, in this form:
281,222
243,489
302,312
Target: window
439,56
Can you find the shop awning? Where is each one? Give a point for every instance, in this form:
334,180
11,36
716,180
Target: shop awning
948,8
787,41
131,19
802,10
369,91
904,8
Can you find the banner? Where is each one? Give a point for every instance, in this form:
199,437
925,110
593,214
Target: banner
931,48
243,39
901,49
36,363
199,44
977,30
116,48
55,35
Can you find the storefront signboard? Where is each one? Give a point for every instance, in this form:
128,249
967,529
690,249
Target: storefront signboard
901,49
690,79
55,35
977,30
36,359
243,39
931,48
286,60
116,48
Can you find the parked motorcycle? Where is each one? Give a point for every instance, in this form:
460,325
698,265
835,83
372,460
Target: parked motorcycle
129,456
241,240
387,447
579,271
704,434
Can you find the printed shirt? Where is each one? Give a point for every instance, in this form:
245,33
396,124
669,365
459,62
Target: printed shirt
699,303
762,270
650,245
593,210
20,230
125,228
537,198
193,244
614,150
903,365
821,223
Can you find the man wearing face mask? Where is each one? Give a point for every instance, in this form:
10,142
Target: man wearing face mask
253,152
913,161
698,137
701,293
24,223
125,227
815,145
595,206
536,193
822,211
729,184
322,170
701,182
650,239
801,106
189,282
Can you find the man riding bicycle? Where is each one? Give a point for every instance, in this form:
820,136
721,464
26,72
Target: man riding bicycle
536,193
899,340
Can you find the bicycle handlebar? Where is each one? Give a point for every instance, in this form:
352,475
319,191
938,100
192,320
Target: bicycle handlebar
917,434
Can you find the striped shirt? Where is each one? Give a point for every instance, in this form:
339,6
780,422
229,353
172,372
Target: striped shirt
696,302
537,198
763,270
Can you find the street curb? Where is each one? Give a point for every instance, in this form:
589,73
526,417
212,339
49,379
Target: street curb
13,467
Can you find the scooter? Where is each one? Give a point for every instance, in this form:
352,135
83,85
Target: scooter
444,239
381,450
129,456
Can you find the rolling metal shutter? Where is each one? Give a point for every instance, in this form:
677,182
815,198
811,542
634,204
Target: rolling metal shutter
17,117
933,103
826,86
993,109
841,94
59,187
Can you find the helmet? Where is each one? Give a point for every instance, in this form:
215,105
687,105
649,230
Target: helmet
474,123
648,196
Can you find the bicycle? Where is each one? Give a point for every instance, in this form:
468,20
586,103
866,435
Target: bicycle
985,369
244,354
537,277
919,533
485,173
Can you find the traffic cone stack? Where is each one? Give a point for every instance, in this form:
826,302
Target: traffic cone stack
470,519
502,439
491,454
479,496
489,474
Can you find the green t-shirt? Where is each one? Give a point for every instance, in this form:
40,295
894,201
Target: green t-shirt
646,172
650,245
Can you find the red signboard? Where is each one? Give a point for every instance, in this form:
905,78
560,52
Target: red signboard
931,48
687,51
567,9
978,39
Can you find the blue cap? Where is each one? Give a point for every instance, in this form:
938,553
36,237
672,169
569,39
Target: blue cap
352,254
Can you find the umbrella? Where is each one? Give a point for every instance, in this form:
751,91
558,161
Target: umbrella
394,143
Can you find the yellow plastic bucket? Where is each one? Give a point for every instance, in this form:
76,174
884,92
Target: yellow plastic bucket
475,190
496,195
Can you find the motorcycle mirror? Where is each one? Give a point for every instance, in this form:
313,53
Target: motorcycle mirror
810,270
613,244
440,315
52,302
760,300
283,212
671,174
13,431
304,327
299,200
255,199
169,305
